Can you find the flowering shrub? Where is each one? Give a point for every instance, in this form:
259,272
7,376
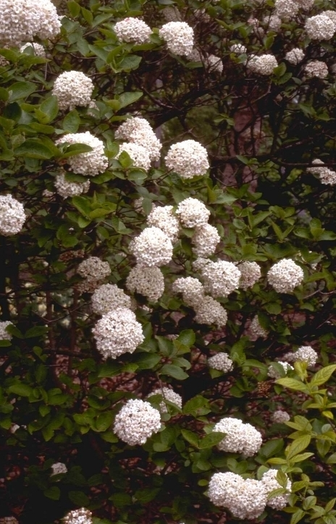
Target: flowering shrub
167,283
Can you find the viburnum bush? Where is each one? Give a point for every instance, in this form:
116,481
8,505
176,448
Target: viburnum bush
167,266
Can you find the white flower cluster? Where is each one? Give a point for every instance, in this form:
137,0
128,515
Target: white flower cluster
138,131
38,49
72,88
66,189
137,153
117,332
163,218
326,175
188,159
191,288
320,27
280,417
285,275
221,362
148,281
295,56
316,69
331,14
178,36
238,49
133,30
90,163
58,468
304,354
274,373
12,215
245,498
22,20
205,240
255,330
108,297
152,247
93,271
250,274
4,335
220,278
192,212
273,22
269,480
78,516
214,63
209,311
263,64
286,9
167,394
239,438
136,422
305,4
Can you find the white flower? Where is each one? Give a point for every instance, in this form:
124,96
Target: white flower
133,30
192,212
305,4
22,20
331,14
316,68
205,240
138,154
90,163
295,56
326,175
274,373
224,488
178,36
255,330
280,417
137,130
12,215
167,394
221,278
38,49
239,438
152,247
304,354
221,362
285,275
67,189
263,64
108,297
4,335
188,159
136,422
58,468
78,516
163,218
214,63
269,479
94,268
250,274
320,27
118,332
286,9
73,88
148,281
273,22
238,49
191,288
209,311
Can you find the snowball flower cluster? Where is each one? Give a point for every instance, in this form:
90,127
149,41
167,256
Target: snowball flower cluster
163,218
136,422
245,498
239,438
326,175
12,215
250,274
93,271
58,468
90,163
286,9
4,335
188,159
66,189
192,212
263,64
256,330
108,297
137,130
133,30
148,281
221,362
320,27
331,14
214,63
274,373
317,69
37,49
73,88
167,394
305,354
118,332
152,247
285,275
22,20
137,153
78,516
295,56
209,311
205,240
238,49
191,288
269,480
273,22
178,36
280,417
220,278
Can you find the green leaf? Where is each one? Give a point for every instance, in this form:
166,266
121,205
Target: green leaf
173,371
20,90
104,421
297,516
35,148
187,337
298,445
36,331
71,122
83,205
79,498
323,375
291,383
76,149
190,437
212,439
52,493
74,8
129,62
23,390
48,110
128,98
197,406
147,360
